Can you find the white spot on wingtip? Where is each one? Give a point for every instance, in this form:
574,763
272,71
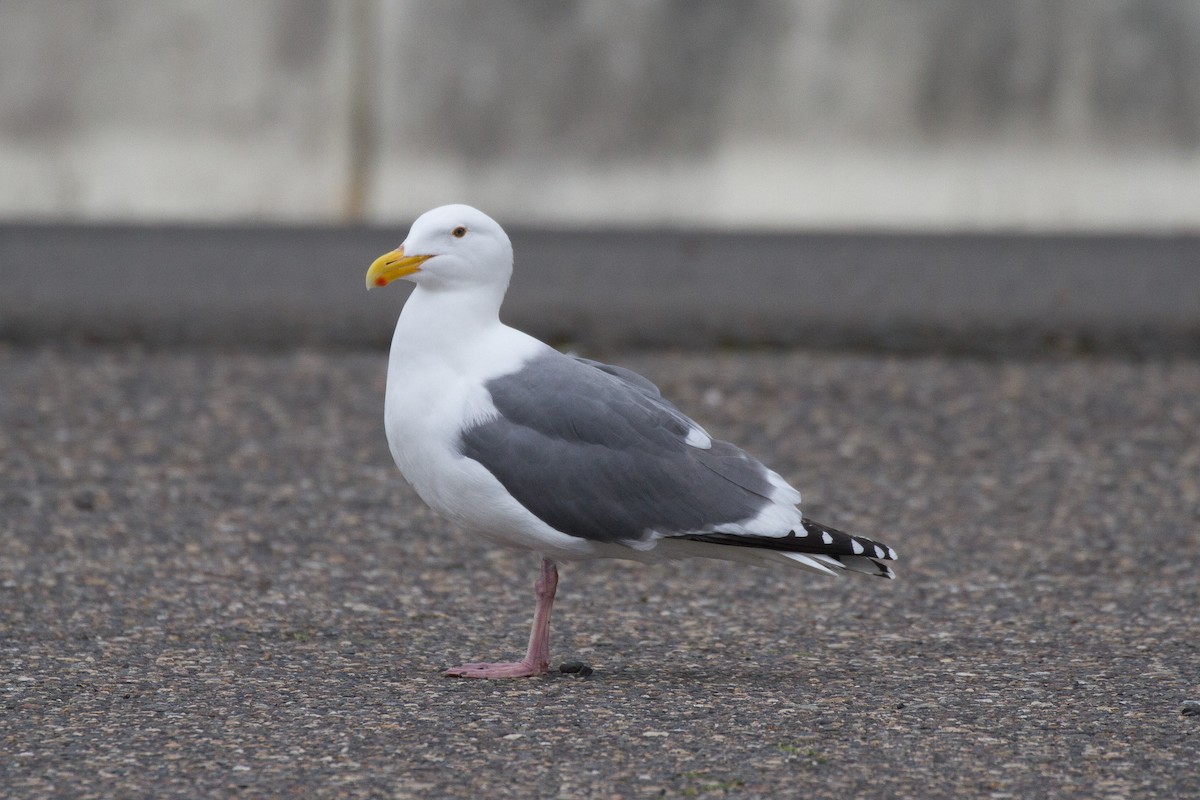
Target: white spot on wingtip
858,548
879,552
891,554
826,538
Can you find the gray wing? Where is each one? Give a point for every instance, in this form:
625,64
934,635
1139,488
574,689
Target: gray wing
596,452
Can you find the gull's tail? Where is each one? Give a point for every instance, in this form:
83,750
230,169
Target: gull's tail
817,547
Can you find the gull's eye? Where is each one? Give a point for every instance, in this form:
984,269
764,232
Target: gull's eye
459,232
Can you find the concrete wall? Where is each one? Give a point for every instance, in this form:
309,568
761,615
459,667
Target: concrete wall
924,114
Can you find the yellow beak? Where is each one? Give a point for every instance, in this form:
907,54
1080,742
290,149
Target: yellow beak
390,266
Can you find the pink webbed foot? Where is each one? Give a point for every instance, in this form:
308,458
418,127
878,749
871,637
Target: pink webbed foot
484,669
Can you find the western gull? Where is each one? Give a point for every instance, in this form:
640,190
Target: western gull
564,456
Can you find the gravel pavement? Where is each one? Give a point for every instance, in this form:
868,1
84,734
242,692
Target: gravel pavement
214,583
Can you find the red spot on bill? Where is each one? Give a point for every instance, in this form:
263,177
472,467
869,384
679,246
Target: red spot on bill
381,281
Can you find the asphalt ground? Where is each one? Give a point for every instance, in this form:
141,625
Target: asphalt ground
214,583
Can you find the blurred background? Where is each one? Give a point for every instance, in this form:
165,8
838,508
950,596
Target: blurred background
192,171
936,261
1073,115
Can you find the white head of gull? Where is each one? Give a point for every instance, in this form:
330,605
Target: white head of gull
569,458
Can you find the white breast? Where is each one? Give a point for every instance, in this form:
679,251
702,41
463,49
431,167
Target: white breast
430,397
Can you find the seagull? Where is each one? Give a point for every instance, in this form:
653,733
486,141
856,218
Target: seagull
567,457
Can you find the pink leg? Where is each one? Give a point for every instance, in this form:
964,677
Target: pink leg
537,657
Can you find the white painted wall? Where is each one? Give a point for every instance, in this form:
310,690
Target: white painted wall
926,114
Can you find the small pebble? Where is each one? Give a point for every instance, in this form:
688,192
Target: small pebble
572,667
1191,708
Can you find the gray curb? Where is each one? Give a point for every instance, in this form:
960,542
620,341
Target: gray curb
280,286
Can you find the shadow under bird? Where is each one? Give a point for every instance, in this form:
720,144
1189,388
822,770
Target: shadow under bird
569,458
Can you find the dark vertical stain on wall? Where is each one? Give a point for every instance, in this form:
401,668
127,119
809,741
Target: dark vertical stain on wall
521,78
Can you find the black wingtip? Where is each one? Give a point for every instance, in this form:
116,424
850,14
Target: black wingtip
814,541
823,538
